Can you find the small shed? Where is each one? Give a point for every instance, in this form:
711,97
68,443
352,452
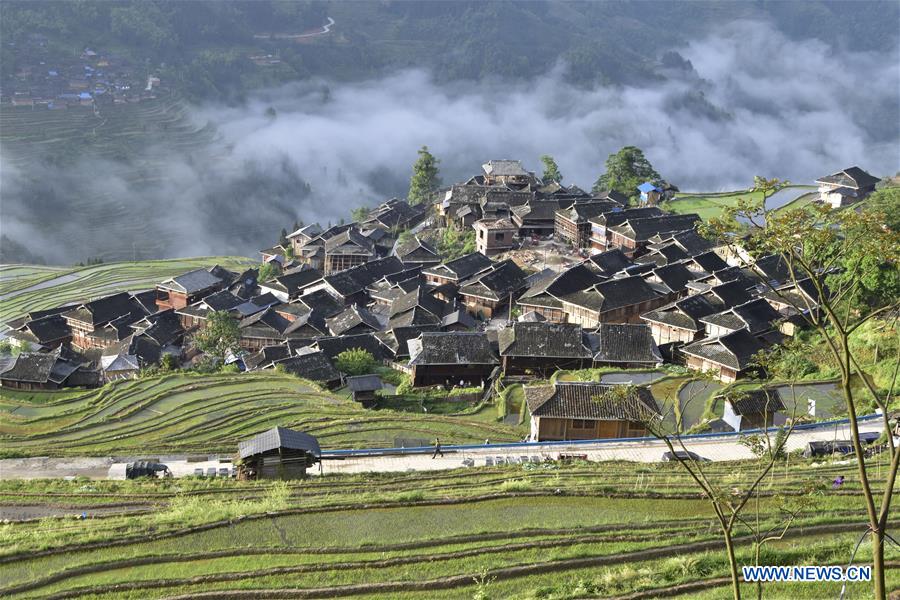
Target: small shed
279,453
363,388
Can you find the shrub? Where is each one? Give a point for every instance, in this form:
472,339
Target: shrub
355,361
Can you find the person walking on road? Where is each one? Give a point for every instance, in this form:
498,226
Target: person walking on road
437,448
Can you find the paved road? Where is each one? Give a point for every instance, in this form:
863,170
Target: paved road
716,449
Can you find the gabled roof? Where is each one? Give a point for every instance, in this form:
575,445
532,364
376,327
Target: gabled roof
356,279
613,294
735,350
751,402
192,282
708,261
307,231
332,346
420,297
451,348
223,300
611,261
321,302
685,313
459,317
398,337
663,255
690,241
120,362
504,168
417,245
592,401
48,329
853,178
773,268
728,294
364,383
643,229
612,218
674,277
279,437
624,343
266,357
102,311
756,315
571,280
582,211
165,328
351,318
350,241
551,340
314,366
462,267
39,367
497,284
293,282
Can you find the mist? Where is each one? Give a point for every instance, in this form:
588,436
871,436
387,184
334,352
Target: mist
746,101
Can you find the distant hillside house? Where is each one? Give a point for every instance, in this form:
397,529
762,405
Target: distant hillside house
494,236
347,250
416,252
588,410
846,187
506,172
650,193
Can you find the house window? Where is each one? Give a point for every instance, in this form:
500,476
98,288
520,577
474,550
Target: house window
582,424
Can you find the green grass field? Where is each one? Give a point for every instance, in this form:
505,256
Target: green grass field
543,531
24,288
211,413
711,205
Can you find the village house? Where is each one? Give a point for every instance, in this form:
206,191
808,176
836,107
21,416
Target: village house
332,346
601,224
268,328
350,286
494,236
610,262
314,366
623,345
47,371
416,308
188,288
537,217
650,193
728,357
614,301
266,357
670,280
196,314
846,187
347,250
635,233
573,224
679,322
120,366
44,333
353,320
487,293
457,270
756,316
103,322
752,409
544,295
279,453
451,359
588,410
291,284
542,348
506,172
363,389
416,252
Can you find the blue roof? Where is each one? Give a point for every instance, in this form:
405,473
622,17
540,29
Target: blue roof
648,187
84,95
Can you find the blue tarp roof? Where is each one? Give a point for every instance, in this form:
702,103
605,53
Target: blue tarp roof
648,187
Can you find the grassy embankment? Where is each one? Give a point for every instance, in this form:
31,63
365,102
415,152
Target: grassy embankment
709,205
548,531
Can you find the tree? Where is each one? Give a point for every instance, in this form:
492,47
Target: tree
886,202
267,271
453,243
625,170
220,335
551,171
355,361
283,237
168,362
360,213
425,178
834,253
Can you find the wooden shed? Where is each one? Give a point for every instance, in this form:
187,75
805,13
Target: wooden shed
279,453
363,388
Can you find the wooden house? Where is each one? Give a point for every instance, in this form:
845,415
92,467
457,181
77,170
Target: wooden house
601,224
347,250
727,357
188,288
756,316
303,236
621,300
46,371
417,252
451,358
573,224
544,295
363,388
279,453
457,270
312,365
291,284
542,348
487,293
506,172
623,345
635,233
588,410
679,322
103,322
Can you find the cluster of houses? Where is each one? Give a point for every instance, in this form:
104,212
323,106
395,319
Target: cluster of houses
89,79
651,290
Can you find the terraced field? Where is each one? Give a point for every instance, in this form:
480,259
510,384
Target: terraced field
572,530
709,205
185,413
24,288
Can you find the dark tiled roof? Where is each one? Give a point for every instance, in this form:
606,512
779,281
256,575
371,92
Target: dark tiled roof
611,219
690,241
497,284
102,311
553,340
624,343
462,267
728,294
294,282
611,261
504,167
349,242
452,348
674,277
773,268
314,366
38,367
48,329
223,300
582,211
364,383
332,346
572,280
421,298
756,315
165,328
266,356
322,303
613,294
357,279
685,313
416,316
398,337
663,255
709,262
459,317
415,245
351,318
279,437
735,350
854,178
192,282
643,229
759,401
590,400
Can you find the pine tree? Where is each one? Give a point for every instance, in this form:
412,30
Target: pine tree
551,170
425,177
625,170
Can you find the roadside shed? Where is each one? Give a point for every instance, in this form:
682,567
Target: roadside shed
279,453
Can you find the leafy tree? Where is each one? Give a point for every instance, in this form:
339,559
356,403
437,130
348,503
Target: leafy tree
220,335
454,243
551,171
886,202
425,178
355,361
625,170
360,213
835,253
267,271
168,362
283,237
